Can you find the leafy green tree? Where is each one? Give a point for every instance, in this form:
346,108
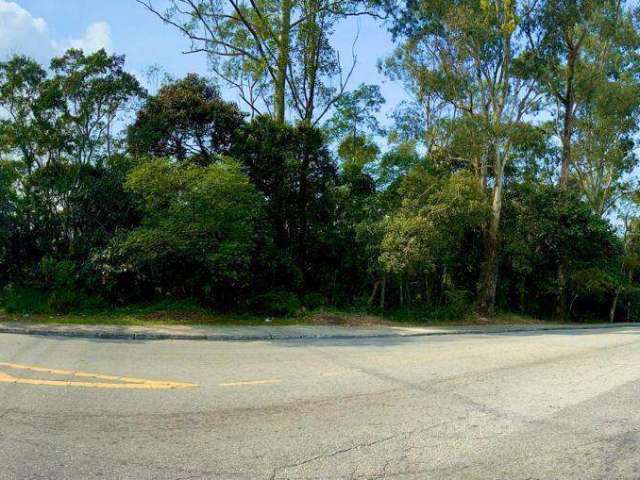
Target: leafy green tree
426,235
579,41
545,226
397,162
604,149
198,232
478,72
354,125
293,169
186,120
87,94
60,133
587,49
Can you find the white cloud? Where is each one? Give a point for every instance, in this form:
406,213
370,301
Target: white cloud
22,33
97,36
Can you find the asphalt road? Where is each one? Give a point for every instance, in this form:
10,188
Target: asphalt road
550,405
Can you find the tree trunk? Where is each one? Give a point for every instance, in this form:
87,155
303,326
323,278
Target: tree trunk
568,102
561,294
283,61
489,276
312,57
374,291
383,291
614,305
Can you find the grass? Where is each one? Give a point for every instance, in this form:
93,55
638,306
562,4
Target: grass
190,313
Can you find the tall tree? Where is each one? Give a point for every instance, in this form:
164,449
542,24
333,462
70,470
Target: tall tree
585,48
471,55
274,53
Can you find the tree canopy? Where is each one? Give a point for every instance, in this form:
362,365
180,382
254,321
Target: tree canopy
505,181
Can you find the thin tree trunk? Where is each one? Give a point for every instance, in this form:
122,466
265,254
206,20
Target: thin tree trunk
614,304
383,291
489,277
372,297
568,102
283,61
561,294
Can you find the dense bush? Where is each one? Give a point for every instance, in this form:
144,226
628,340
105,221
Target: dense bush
277,303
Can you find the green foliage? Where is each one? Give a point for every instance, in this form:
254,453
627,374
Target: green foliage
27,300
198,230
544,225
33,300
276,303
186,120
473,199
314,300
435,215
355,113
294,171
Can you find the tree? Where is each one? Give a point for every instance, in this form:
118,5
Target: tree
67,116
186,120
88,92
198,232
424,237
293,169
604,149
354,126
471,56
578,38
60,132
272,52
586,48
543,226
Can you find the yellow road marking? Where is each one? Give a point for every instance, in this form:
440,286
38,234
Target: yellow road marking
127,383
252,382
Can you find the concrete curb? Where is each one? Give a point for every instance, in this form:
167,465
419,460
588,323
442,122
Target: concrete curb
124,333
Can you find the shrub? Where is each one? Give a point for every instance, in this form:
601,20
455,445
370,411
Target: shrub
278,303
314,300
17,299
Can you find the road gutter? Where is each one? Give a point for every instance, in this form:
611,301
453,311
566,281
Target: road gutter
301,332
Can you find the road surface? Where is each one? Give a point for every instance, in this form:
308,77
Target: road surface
547,405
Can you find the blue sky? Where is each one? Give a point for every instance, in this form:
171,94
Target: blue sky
43,28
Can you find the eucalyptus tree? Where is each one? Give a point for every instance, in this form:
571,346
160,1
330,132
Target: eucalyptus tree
276,54
578,40
470,58
68,114
604,146
587,65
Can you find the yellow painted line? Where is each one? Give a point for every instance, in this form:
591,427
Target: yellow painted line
126,383
251,382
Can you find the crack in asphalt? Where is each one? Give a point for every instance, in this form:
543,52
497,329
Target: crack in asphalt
357,446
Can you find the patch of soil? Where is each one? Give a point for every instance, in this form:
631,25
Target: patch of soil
344,320
175,316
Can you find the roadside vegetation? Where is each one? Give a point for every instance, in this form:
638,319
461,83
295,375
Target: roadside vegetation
274,189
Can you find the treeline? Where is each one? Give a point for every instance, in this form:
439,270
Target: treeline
505,182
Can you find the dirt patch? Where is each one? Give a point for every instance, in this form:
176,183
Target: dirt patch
175,316
344,320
